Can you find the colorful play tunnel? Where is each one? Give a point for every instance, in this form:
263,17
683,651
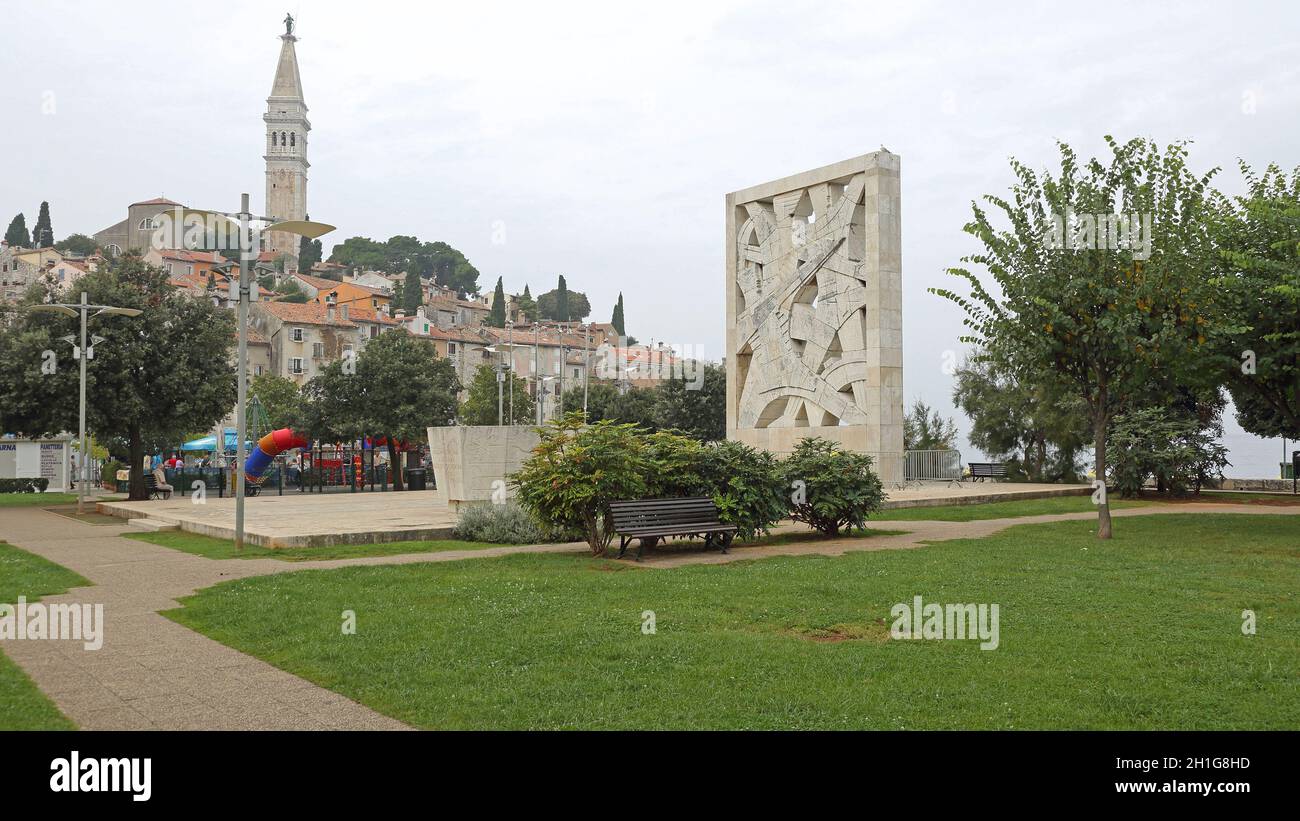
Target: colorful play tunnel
268,447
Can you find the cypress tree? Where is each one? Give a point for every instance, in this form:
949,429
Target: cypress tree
497,316
562,301
617,319
17,235
43,233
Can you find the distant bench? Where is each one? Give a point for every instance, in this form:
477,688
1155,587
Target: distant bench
151,485
979,471
654,519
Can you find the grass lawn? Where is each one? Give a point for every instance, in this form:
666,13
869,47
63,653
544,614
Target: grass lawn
214,548
22,705
1143,631
999,510
37,499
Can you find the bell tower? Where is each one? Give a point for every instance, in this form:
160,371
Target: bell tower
286,148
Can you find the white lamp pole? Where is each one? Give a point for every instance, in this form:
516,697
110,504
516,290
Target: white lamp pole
83,353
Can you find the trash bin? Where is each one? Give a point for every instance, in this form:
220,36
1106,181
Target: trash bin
415,478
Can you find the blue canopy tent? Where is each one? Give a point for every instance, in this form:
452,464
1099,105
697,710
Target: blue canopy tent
209,442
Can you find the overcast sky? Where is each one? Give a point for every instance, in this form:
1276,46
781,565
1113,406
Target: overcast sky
598,140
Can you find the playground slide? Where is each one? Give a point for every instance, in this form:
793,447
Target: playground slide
267,448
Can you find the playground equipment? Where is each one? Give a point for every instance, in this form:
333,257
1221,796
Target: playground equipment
268,447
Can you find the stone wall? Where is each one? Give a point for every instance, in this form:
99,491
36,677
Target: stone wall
469,460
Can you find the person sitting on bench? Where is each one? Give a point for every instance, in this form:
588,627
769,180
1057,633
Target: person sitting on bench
161,480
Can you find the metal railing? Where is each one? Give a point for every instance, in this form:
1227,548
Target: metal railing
932,465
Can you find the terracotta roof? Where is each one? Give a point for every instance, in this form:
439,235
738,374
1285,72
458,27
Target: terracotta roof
193,256
155,201
370,315
331,284
304,313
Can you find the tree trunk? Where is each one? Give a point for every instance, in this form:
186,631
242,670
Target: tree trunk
135,487
1099,444
394,466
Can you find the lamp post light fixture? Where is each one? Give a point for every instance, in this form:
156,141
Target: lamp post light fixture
247,260
83,353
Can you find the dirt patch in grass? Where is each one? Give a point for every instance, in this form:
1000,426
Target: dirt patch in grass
1227,498
874,631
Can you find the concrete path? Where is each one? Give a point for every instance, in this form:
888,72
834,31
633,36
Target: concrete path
154,673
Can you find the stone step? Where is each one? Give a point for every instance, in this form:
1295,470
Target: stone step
152,525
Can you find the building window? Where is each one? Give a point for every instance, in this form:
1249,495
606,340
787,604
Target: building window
257,370
273,139
295,365
318,349
282,140
295,334
374,331
146,224
293,138
451,348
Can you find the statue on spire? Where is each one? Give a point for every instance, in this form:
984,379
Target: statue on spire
288,25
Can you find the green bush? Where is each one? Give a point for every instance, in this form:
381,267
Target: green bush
108,473
747,486
830,488
506,524
1154,443
575,472
21,485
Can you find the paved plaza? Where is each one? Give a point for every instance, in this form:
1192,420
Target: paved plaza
316,520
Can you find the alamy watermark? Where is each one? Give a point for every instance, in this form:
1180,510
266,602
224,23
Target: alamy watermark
1073,231
946,622
38,620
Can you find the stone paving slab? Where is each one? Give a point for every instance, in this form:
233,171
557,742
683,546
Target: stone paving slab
303,519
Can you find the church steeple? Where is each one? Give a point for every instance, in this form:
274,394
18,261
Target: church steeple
286,145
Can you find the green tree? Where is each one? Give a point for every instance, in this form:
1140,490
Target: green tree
359,253
527,305
43,233
396,388
154,378
1259,285
412,292
309,252
1038,432
638,406
76,244
578,306
925,429
617,319
280,398
1095,321
697,408
497,316
450,268
17,235
480,405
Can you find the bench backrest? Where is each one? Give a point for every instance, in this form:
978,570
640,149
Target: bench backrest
150,481
988,469
636,514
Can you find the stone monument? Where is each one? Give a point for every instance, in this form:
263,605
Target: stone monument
814,311
471,462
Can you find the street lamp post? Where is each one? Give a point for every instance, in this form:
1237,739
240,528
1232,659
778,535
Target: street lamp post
83,353
247,257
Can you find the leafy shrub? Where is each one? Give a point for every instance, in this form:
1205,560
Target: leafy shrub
506,524
576,470
747,486
1153,443
21,485
832,488
675,465
108,473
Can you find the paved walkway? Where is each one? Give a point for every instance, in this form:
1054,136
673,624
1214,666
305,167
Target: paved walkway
154,673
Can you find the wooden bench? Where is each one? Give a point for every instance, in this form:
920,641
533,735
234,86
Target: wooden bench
979,471
654,519
151,485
